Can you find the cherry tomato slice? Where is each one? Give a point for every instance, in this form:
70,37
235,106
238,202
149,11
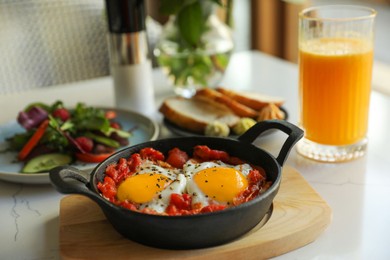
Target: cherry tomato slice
92,158
110,114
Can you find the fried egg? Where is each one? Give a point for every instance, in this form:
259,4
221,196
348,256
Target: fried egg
151,186
215,182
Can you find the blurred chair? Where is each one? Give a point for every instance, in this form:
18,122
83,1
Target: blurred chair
46,42
275,27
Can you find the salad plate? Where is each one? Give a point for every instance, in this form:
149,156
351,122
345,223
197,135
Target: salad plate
143,129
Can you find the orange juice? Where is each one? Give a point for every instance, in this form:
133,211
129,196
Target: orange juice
335,83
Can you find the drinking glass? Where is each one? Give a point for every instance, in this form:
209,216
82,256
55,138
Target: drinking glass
335,67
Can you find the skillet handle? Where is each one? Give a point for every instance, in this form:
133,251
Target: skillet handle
67,179
294,134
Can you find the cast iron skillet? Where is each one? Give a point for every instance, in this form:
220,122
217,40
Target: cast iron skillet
196,231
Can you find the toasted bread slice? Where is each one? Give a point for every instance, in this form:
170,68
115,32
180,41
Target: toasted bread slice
195,114
254,100
238,108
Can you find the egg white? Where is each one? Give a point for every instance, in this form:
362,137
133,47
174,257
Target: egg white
160,202
147,167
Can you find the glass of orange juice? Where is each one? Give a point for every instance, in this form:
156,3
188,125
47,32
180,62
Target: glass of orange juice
335,66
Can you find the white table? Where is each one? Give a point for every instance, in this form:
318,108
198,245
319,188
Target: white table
358,192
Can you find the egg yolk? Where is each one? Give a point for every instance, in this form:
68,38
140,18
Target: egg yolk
221,184
142,188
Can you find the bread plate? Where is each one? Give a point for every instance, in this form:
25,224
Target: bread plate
145,129
179,131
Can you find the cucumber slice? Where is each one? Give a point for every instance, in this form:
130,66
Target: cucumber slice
103,140
46,162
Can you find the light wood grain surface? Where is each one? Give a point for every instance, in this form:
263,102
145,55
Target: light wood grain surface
299,216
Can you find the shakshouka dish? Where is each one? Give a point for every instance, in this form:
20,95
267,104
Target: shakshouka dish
177,183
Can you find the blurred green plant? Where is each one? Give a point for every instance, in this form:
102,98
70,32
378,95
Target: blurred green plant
189,61
191,17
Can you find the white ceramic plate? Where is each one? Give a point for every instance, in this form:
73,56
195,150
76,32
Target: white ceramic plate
145,130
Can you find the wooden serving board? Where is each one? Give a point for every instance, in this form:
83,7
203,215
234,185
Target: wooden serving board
299,216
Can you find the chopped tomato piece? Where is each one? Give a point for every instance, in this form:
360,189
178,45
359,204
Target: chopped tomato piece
134,161
212,208
172,210
181,201
108,188
248,194
111,171
177,158
261,171
128,205
123,170
118,171
151,154
148,211
206,154
255,177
